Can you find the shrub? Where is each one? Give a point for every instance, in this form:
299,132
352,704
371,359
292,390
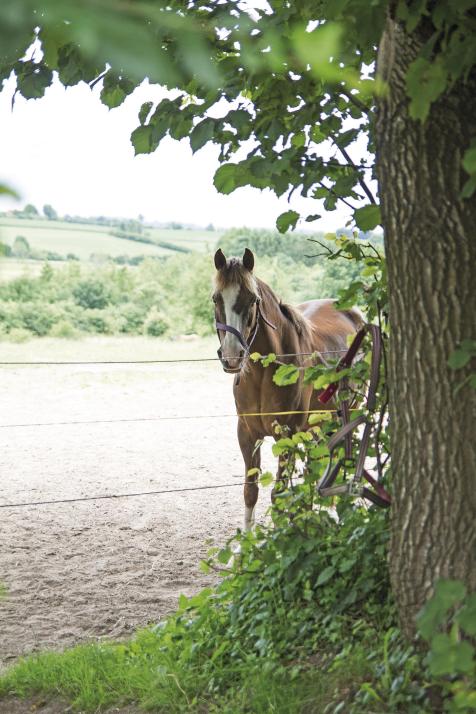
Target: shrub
5,250
18,334
21,247
155,324
64,328
91,294
131,318
37,317
94,321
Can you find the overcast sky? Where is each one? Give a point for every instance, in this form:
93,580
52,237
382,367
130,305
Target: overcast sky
69,150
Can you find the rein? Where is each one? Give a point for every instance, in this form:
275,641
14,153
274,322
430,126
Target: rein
223,327
326,486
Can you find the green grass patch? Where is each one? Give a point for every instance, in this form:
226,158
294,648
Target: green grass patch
94,677
302,623
272,636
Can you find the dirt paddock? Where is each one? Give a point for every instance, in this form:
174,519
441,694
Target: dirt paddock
100,569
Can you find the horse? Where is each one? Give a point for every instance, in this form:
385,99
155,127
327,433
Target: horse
248,314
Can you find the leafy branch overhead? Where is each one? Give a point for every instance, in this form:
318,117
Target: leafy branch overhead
287,94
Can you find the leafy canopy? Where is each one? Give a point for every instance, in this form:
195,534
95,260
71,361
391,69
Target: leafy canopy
286,92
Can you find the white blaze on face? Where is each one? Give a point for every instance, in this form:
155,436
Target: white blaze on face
231,345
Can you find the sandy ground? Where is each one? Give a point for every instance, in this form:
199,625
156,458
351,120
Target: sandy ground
99,569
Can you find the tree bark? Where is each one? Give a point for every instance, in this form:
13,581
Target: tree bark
431,251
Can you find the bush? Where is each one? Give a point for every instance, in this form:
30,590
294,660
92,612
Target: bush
91,294
5,250
155,324
21,247
95,321
18,334
64,329
37,317
131,317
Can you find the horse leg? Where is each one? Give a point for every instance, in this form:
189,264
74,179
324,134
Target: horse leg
252,458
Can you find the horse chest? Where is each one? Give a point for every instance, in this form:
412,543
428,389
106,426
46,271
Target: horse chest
259,402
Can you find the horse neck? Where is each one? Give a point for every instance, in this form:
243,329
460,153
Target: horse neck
267,338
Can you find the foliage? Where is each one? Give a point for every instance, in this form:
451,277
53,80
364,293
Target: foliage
91,294
30,210
145,300
21,247
264,617
50,212
318,60
448,624
461,359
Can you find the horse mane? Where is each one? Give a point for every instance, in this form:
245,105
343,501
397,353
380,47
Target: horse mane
301,324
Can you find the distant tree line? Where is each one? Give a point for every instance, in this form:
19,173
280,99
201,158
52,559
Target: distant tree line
160,295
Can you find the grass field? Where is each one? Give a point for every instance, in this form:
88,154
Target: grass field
85,239
12,268
201,241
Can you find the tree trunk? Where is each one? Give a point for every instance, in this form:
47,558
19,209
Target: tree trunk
431,250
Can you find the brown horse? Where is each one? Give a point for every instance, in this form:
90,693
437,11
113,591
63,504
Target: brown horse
250,318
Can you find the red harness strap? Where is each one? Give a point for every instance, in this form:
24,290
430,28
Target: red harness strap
325,487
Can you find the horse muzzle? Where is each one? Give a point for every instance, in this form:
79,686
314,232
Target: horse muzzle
226,363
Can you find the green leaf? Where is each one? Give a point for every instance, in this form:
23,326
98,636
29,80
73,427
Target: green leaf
458,359
183,601
287,220
204,567
286,374
282,446
312,217
8,191
320,192
269,359
368,217
33,79
141,139
115,90
448,593
202,133
448,657
144,111
325,575
467,617
266,479
298,140
224,556
469,187
426,80
469,159
225,179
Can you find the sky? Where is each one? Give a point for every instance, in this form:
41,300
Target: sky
69,150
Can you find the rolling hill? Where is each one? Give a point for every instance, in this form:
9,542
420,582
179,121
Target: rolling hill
86,239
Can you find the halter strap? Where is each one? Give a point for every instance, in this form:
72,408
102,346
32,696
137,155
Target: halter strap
223,327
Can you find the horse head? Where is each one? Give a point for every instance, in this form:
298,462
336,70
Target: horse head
236,297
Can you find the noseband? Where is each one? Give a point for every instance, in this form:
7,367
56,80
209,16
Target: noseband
223,327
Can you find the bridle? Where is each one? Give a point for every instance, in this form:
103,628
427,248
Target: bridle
246,344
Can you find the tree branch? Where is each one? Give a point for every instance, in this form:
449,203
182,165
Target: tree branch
364,186
339,198
356,102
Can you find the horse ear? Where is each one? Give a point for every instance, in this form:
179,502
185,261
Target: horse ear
248,259
220,260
